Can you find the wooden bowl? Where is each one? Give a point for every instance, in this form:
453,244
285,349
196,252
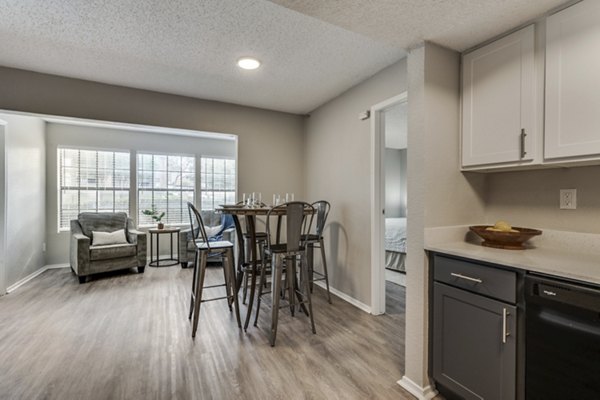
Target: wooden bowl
504,240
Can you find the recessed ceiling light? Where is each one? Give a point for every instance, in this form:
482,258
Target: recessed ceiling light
248,63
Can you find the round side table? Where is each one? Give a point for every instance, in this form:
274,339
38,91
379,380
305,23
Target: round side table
163,262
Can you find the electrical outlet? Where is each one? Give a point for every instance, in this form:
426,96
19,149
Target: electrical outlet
44,247
568,199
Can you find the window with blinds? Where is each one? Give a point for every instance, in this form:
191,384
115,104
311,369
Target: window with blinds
92,181
217,182
165,183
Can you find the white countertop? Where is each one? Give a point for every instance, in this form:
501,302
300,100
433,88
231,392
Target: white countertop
562,254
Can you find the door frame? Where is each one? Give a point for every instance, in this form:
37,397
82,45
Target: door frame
2,207
378,202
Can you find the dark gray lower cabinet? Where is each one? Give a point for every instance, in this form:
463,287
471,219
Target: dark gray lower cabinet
474,344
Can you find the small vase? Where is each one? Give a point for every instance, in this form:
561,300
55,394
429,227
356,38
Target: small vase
161,225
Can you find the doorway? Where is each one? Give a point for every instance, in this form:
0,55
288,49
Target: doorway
389,205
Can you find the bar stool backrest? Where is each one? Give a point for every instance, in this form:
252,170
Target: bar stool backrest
322,208
197,225
298,221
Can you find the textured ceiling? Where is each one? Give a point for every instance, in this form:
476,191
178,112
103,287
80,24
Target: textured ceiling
189,47
312,50
456,24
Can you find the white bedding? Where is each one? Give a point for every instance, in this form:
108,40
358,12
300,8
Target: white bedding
395,234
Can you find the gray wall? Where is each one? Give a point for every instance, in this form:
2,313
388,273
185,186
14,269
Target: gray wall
338,169
25,196
118,139
395,183
531,198
271,144
438,193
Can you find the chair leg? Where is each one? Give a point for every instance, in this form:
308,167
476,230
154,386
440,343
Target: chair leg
264,264
284,265
225,266
226,279
193,296
290,279
261,283
322,246
245,289
236,301
275,286
298,291
252,291
310,256
308,299
247,256
229,264
199,286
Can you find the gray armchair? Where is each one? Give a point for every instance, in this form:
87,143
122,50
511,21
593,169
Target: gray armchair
87,259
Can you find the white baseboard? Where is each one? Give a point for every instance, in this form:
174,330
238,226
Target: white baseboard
345,297
421,393
56,266
29,277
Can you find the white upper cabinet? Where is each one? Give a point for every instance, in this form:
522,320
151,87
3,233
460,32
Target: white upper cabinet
572,114
499,102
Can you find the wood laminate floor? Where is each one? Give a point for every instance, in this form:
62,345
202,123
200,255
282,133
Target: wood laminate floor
395,301
127,336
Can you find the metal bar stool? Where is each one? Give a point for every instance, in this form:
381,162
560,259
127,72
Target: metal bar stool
244,253
322,208
203,249
284,257
261,239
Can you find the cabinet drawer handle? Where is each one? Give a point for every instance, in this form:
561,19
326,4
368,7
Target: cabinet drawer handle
468,278
523,152
505,332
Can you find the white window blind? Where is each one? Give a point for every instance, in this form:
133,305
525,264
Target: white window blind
91,181
217,182
165,183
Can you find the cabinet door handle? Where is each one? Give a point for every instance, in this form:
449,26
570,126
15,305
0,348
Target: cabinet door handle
505,332
523,152
468,278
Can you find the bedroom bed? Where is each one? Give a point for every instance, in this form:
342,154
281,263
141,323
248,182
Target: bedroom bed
395,243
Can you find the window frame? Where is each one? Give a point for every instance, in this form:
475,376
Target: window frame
59,193
235,183
137,189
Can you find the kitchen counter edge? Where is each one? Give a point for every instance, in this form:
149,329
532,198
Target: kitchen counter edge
582,267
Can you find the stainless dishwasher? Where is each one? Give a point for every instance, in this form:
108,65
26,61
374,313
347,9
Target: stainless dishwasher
562,339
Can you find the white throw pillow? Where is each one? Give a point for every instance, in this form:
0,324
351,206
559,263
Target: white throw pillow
105,238
212,230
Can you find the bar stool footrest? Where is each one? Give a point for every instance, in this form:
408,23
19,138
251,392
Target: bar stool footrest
216,298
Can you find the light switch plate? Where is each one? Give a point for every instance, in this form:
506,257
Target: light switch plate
568,199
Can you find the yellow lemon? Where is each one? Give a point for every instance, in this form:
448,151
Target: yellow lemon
501,226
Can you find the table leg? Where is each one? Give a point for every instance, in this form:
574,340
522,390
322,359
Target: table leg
171,246
178,249
251,229
151,252
241,258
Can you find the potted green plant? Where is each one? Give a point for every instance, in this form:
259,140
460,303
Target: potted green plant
157,216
